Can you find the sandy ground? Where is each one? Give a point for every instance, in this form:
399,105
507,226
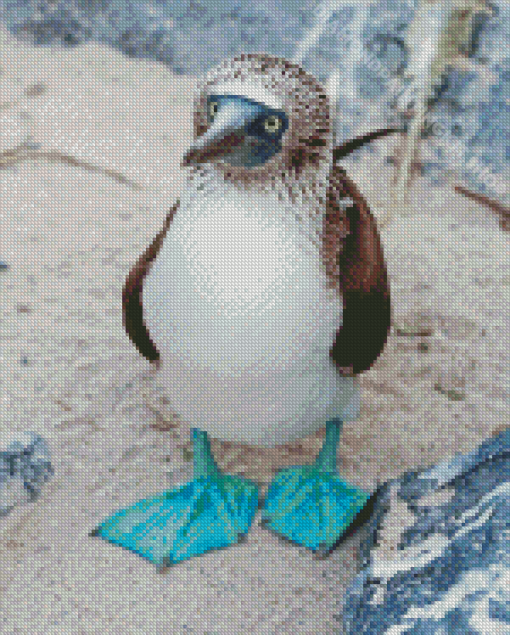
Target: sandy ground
109,132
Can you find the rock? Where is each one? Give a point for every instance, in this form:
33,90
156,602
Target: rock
24,468
436,557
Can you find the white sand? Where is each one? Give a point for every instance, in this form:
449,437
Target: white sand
70,233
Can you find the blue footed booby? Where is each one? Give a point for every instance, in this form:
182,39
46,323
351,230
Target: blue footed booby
260,300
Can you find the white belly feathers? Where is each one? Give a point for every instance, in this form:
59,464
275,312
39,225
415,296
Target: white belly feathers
237,305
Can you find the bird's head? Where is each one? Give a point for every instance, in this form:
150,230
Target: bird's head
259,116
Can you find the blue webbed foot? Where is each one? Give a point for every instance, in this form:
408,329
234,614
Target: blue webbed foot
310,504
214,510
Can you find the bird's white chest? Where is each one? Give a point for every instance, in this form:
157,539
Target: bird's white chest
237,305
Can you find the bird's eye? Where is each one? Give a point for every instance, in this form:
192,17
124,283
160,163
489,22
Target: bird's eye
213,109
272,124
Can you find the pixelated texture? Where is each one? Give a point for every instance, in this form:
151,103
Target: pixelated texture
302,165
436,558
437,388
25,467
234,295
471,104
247,244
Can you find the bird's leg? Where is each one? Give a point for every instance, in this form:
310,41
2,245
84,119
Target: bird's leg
310,504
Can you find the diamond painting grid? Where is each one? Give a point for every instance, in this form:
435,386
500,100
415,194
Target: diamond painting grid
62,583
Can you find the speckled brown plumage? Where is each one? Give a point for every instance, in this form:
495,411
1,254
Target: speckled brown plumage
307,142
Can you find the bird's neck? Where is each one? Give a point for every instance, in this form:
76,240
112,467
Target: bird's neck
292,201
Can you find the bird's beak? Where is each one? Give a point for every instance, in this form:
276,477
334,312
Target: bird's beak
225,133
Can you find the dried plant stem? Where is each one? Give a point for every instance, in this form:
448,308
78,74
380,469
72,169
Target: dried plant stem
24,153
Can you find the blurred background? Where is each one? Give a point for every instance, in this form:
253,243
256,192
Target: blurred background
440,69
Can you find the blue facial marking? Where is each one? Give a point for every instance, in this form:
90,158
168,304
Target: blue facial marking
263,129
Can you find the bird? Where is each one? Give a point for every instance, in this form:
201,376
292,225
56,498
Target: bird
262,298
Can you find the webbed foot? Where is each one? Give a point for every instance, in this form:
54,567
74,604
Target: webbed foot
310,504
213,511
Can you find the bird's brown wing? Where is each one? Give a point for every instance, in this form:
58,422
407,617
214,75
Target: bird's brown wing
132,307
355,265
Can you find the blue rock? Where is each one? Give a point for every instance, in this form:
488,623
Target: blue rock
448,568
24,468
